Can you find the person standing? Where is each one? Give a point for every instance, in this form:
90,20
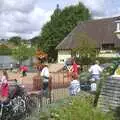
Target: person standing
74,69
4,86
95,70
74,87
45,76
11,67
93,85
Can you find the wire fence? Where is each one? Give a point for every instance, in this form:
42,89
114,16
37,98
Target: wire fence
57,89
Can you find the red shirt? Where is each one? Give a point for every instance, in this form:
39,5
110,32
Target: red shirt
75,68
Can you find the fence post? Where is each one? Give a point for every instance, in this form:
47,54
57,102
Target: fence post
50,88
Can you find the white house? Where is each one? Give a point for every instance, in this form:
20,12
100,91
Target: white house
100,31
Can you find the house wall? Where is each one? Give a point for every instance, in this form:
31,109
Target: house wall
63,55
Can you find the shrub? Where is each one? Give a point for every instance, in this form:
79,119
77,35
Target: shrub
79,109
5,50
74,108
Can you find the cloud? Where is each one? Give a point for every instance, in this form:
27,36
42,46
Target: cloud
25,18
102,8
17,5
22,17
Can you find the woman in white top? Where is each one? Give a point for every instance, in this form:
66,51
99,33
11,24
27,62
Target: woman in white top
45,76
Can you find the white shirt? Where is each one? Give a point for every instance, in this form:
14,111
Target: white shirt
74,87
95,69
45,72
4,79
93,87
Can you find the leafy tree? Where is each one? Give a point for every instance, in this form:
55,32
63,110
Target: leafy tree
34,41
86,49
22,53
61,24
15,40
5,50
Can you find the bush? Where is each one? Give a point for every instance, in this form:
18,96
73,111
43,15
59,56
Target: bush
74,108
79,109
106,60
4,50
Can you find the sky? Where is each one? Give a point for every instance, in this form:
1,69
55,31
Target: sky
25,18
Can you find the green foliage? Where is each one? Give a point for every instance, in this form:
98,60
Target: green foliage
5,50
35,40
61,24
87,50
79,109
84,76
15,40
22,52
73,108
106,60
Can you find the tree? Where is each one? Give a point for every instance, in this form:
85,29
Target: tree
5,50
22,53
15,40
34,41
61,24
86,49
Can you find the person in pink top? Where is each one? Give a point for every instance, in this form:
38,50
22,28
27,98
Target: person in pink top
75,68
4,86
24,69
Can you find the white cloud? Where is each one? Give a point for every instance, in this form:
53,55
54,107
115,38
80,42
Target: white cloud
26,17
21,17
101,8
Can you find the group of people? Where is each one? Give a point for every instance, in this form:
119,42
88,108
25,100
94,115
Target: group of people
4,87
74,86
95,71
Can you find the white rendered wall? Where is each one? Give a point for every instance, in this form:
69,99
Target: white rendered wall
63,55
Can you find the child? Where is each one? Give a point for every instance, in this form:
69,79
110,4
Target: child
4,86
74,87
93,85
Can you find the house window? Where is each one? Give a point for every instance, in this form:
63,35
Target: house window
61,60
108,46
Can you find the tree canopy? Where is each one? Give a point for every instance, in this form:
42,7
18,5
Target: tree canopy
61,24
86,49
5,50
16,40
22,52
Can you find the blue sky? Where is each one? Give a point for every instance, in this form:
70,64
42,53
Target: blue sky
25,18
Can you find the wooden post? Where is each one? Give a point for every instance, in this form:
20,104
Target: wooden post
50,88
